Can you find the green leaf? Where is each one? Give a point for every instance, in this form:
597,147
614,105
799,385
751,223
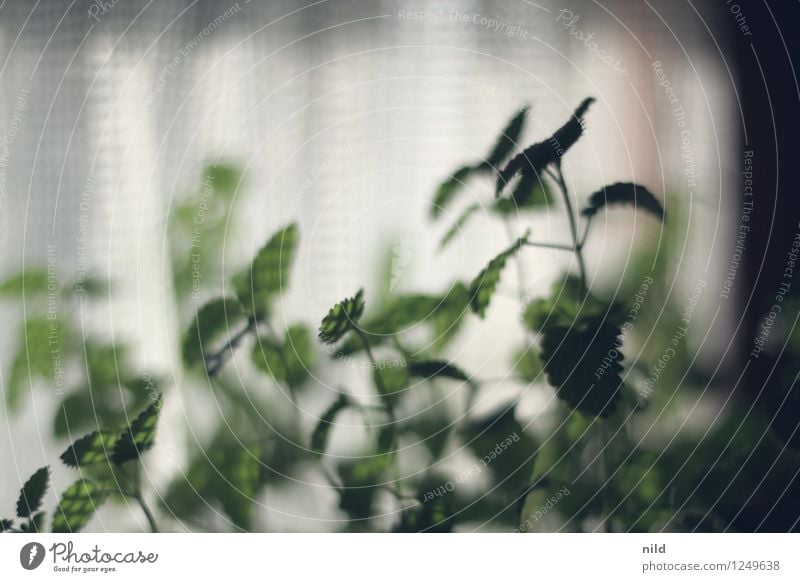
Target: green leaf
34,524
390,380
32,493
28,282
77,505
212,322
268,274
94,448
625,193
484,285
224,178
243,471
227,473
535,158
361,480
448,189
104,363
458,225
529,193
40,354
140,436
75,414
507,141
319,438
437,368
581,361
503,448
527,365
6,525
567,301
342,318
290,361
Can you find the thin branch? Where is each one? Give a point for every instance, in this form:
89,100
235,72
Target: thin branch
545,245
573,227
215,361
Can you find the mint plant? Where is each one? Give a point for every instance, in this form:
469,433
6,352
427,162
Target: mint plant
108,463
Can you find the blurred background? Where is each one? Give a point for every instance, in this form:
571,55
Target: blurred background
123,121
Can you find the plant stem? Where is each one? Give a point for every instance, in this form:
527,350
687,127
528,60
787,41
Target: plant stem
215,361
383,391
136,493
545,245
147,513
604,441
285,361
559,176
573,227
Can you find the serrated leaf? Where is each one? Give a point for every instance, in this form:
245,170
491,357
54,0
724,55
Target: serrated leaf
448,189
6,525
214,320
34,524
290,361
268,275
568,300
535,158
94,448
140,436
341,318
458,225
78,503
485,283
319,438
32,493
582,363
624,193
507,141
437,369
